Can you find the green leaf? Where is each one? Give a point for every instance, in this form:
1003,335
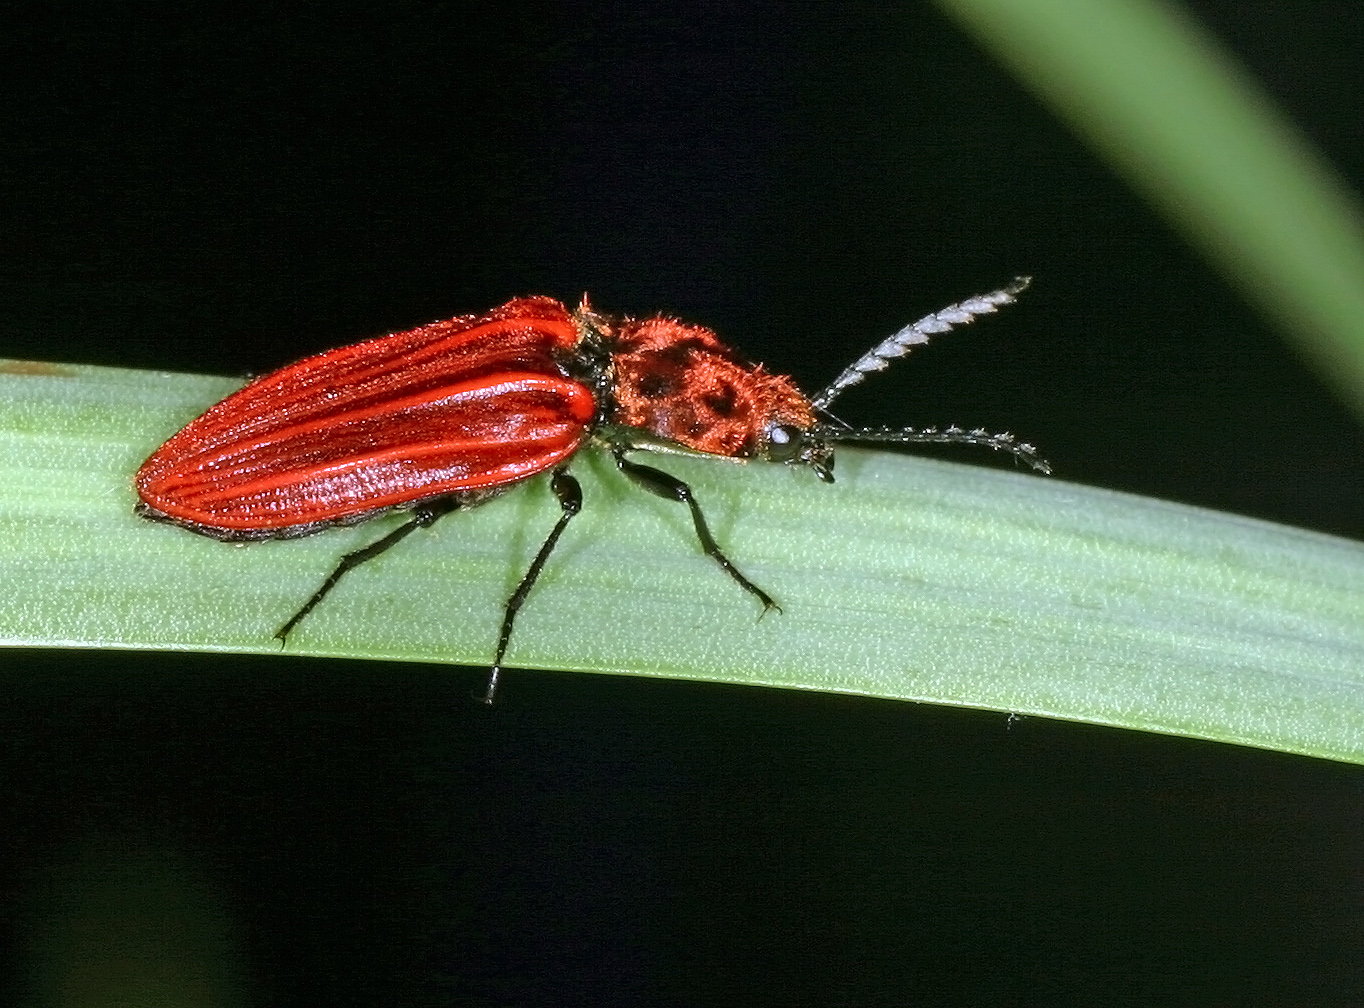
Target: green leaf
911,579
1172,111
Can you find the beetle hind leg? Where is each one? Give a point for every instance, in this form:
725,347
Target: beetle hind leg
424,516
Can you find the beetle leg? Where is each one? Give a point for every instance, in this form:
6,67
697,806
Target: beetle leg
671,488
423,516
570,494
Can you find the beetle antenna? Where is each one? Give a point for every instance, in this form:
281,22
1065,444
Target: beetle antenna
878,358
941,435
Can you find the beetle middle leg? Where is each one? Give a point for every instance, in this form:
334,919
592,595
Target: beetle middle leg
570,494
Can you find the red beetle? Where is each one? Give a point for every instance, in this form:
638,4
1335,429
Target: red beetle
451,414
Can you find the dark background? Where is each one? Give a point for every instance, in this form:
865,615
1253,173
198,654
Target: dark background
226,190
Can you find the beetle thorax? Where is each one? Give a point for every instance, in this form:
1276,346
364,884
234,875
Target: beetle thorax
682,383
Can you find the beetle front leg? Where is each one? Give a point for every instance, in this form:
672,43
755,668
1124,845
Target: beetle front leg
661,484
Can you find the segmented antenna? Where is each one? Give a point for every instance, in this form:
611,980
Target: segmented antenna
944,435
878,358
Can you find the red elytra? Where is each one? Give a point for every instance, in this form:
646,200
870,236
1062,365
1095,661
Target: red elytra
451,414
469,404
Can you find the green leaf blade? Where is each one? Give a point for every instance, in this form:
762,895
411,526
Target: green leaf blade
1172,110
908,578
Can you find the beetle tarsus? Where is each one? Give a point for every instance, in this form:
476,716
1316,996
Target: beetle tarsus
489,696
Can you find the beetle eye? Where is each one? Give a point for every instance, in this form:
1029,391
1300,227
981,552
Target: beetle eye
784,443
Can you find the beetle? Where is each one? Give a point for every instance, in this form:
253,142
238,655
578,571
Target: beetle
449,415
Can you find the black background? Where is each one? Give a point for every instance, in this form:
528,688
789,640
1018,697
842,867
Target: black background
224,190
